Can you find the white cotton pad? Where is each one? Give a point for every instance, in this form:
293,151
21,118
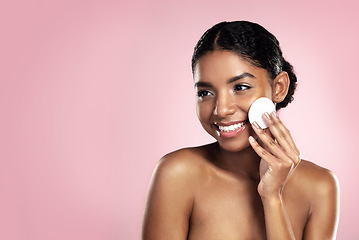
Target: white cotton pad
258,108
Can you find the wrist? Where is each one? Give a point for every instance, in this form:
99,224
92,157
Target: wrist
275,199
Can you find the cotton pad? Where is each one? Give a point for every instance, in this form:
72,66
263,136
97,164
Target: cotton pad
258,108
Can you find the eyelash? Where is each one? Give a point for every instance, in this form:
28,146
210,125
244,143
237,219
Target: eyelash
205,93
242,86
201,93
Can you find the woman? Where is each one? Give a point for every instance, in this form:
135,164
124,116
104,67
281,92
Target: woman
250,183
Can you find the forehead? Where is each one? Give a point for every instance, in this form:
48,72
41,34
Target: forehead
223,65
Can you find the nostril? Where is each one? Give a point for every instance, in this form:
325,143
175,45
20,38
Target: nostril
224,110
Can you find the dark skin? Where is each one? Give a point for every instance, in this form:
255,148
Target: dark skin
252,185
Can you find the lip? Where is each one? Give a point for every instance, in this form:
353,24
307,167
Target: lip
233,133
228,123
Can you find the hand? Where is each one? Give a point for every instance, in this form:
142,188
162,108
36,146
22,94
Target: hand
279,156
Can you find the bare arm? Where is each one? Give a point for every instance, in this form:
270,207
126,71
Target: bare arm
279,157
278,225
324,212
169,202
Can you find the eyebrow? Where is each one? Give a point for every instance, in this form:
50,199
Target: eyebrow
231,80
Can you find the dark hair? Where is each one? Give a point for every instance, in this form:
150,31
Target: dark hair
254,44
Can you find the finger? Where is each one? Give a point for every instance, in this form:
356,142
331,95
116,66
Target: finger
282,135
263,167
270,143
284,130
264,154
273,162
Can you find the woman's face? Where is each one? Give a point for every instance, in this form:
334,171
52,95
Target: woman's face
226,86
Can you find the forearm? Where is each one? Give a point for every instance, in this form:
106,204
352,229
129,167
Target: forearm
277,222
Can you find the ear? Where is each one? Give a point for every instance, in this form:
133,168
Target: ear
280,87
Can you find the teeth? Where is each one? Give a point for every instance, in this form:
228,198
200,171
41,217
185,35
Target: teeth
231,127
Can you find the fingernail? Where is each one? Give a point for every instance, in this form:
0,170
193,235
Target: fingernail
251,139
274,114
267,116
255,124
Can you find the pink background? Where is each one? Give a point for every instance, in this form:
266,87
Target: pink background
93,93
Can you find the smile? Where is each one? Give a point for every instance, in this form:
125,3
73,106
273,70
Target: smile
230,128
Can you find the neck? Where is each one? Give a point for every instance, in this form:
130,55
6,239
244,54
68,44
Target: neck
245,162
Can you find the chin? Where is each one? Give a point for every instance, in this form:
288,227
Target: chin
234,145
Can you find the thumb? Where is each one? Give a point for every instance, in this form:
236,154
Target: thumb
263,166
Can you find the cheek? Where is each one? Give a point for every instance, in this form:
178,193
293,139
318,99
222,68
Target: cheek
244,103
268,91
204,111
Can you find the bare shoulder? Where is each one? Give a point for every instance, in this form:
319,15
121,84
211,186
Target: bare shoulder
171,194
318,184
184,164
315,177
179,173
318,188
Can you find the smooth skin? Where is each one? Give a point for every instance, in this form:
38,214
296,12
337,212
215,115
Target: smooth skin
250,186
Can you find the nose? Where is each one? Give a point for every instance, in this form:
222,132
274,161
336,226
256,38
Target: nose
225,106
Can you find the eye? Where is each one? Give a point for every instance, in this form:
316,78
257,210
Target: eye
203,93
241,87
